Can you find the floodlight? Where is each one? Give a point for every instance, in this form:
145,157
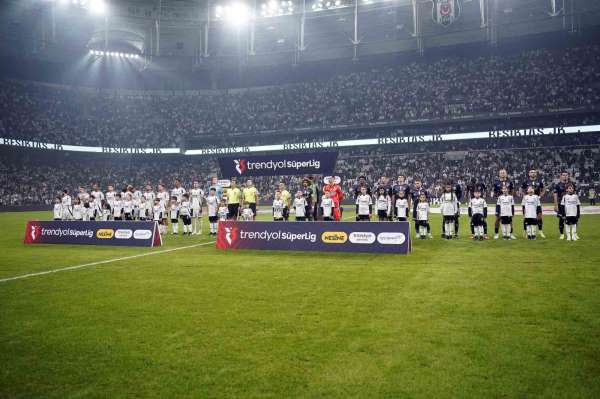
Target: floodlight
97,7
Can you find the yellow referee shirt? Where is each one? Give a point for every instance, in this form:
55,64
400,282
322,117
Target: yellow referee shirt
250,194
233,195
286,197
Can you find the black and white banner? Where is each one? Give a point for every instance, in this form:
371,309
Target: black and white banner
321,163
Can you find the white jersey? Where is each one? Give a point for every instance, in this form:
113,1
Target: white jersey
364,201
128,206
58,211
327,205
570,202
163,196
531,204
110,197
185,209
98,197
402,208
423,211
448,204
143,211
506,203
83,196
196,195
66,205
78,212
278,206
149,196
174,211
117,208
300,207
178,192
477,206
247,214
223,213
212,203
106,214
137,194
383,203
157,212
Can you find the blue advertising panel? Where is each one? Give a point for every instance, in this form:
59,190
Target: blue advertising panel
321,163
376,237
120,233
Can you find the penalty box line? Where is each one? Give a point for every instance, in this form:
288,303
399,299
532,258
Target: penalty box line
101,262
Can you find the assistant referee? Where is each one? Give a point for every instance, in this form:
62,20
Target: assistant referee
233,197
250,195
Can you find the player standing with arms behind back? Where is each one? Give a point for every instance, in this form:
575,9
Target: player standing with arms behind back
196,196
532,207
559,191
537,185
478,214
499,185
572,210
505,210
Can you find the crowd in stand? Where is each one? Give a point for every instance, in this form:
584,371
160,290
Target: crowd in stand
449,87
29,181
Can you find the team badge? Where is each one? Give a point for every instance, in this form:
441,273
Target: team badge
445,12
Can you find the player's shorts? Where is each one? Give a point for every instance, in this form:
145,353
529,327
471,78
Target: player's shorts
382,213
328,218
364,218
401,219
506,219
234,210
174,220
278,219
286,213
196,212
57,219
213,219
477,219
128,216
422,223
570,220
252,206
531,222
117,218
300,218
449,218
186,219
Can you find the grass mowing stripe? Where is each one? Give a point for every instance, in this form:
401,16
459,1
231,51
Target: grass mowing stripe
75,267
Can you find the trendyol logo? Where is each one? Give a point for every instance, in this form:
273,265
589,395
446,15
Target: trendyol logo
231,234
35,231
240,165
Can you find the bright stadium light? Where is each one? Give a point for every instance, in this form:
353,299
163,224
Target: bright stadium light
320,5
274,8
97,7
237,14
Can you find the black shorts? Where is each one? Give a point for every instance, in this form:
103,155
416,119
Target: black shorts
286,213
252,205
187,220
401,219
213,219
278,219
382,213
234,210
531,222
327,218
422,223
364,218
571,220
57,219
506,219
174,220
477,219
300,218
449,218
128,216
117,218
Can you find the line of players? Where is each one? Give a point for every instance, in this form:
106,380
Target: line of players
394,202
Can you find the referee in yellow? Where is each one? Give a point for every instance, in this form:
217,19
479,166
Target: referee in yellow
250,196
286,197
233,200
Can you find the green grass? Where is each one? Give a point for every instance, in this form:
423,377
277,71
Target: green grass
456,319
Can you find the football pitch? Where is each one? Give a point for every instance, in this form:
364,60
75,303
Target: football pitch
454,319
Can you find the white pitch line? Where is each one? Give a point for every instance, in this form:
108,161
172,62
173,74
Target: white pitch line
62,269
